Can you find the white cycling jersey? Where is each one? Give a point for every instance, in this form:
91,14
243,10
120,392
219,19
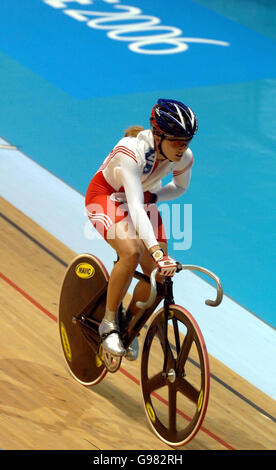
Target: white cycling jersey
132,168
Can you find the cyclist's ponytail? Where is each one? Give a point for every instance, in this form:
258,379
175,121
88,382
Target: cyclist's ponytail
133,131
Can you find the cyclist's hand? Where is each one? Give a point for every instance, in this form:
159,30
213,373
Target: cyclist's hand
167,266
149,198
118,197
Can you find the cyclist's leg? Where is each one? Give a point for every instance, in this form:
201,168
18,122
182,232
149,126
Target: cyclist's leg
122,237
130,250
112,221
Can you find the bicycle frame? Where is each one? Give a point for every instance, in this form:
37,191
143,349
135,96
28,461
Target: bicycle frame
159,291
139,320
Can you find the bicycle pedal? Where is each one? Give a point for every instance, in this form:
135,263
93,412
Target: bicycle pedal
112,363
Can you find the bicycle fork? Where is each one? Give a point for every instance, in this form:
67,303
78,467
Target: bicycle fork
169,300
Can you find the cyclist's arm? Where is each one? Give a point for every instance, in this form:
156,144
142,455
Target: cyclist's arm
181,179
131,180
175,188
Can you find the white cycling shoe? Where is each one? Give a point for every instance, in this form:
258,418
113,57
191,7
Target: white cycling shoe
110,336
112,343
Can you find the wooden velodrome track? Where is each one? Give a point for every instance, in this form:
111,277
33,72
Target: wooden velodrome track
42,407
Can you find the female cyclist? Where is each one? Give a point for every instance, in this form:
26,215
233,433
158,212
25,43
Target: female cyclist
121,204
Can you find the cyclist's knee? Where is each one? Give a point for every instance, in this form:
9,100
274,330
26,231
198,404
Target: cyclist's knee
132,253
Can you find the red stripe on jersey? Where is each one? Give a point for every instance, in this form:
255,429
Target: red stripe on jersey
112,154
126,151
124,148
179,172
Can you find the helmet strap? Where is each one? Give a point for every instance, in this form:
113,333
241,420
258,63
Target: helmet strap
160,148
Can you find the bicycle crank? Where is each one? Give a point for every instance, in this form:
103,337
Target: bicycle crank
112,363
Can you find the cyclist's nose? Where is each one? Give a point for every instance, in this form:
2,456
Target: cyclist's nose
180,143
181,146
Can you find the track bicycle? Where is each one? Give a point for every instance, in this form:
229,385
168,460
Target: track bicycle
175,375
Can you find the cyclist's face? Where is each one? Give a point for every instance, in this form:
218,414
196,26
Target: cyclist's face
174,148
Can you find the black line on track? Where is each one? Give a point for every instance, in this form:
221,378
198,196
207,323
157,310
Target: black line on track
238,394
49,252
214,377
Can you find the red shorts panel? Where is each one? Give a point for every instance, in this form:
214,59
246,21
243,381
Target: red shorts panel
103,212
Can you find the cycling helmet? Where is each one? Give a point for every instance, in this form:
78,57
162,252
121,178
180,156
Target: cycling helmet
170,118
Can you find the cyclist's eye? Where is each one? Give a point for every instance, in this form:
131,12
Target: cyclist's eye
178,143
